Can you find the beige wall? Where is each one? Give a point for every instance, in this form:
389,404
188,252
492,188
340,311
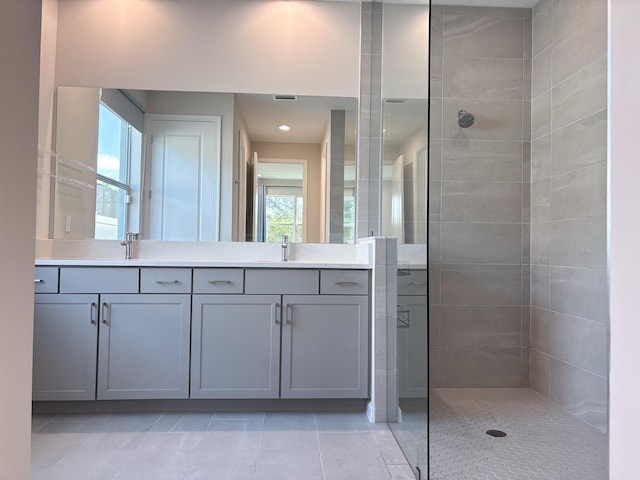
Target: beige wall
227,46
312,154
20,51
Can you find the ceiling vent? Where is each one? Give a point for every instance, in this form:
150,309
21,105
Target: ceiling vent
285,98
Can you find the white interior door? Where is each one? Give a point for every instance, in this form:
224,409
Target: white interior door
184,177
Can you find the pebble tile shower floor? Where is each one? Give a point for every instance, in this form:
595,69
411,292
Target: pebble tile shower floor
224,446
543,441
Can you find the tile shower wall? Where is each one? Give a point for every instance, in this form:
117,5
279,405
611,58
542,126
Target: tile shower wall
569,305
479,194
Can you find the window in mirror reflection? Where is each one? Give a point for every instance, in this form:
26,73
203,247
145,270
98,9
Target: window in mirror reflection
283,213
349,215
280,200
119,146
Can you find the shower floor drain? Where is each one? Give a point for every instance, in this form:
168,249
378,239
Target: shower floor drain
496,433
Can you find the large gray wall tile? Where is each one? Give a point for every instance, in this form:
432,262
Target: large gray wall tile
540,328
481,243
580,95
579,242
580,342
480,326
482,201
480,367
581,192
484,78
541,158
539,366
540,286
581,393
480,285
497,12
541,200
495,119
482,160
540,243
481,36
542,26
541,73
541,115
580,291
580,144
577,43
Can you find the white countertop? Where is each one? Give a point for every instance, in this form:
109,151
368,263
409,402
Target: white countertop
191,263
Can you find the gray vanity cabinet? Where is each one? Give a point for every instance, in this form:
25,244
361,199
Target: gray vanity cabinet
412,334
65,341
325,346
144,346
235,347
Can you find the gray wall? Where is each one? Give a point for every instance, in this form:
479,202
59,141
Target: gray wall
479,197
569,305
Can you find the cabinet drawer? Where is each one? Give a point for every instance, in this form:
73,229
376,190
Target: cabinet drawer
266,281
218,280
46,280
413,284
165,280
99,280
344,282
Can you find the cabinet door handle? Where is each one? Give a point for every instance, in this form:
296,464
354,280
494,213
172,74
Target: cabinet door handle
38,280
276,312
289,314
344,282
93,306
105,308
214,282
418,284
165,282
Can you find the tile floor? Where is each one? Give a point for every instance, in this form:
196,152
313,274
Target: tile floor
543,441
219,446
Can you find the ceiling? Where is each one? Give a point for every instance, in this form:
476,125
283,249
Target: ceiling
307,116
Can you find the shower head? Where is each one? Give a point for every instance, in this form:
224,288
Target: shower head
465,119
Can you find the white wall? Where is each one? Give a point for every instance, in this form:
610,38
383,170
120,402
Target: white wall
624,182
20,53
302,47
77,113
405,51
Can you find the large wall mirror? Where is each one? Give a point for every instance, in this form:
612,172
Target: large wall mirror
150,162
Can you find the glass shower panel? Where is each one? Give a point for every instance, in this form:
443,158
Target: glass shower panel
404,180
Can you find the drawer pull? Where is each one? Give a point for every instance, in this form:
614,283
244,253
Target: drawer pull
105,307
288,314
418,284
38,280
167,282
276,313
345,283
92,308
217,282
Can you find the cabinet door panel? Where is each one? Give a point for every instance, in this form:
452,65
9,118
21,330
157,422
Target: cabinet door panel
325,346
144,346
412,346
235,346
65,342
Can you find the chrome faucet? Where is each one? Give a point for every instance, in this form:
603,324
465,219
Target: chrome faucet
128,242
285,248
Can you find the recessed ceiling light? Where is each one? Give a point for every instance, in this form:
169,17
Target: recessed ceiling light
284,128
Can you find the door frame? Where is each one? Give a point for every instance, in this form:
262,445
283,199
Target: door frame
146,162
305,198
